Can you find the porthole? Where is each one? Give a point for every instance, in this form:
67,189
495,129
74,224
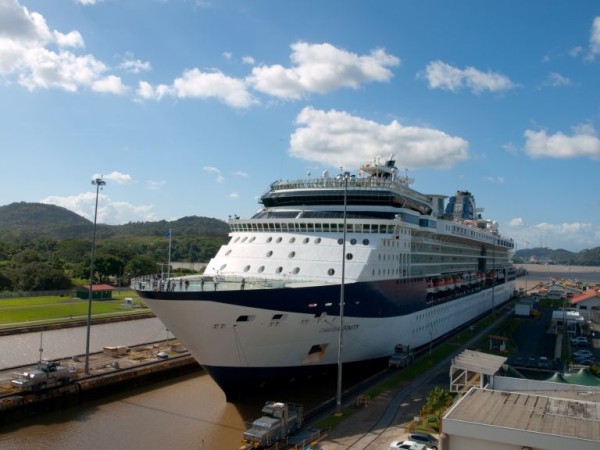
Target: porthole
223,267
340,241
296,270
278,240
349,256
365,242
245,239
227,252
292,254
279,269
246,269
353,241
261,269
252,239
330,272
317,240
305,241
292,240
269,254
269,239
237,239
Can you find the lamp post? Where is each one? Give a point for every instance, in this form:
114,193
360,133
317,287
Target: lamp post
98,182
338,402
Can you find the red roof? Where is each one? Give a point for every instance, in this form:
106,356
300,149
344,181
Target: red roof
585,295
98,287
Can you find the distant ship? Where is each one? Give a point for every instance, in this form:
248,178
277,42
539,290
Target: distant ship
267,307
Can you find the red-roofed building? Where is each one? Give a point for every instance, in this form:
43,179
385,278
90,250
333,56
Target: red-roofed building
586,301
99,292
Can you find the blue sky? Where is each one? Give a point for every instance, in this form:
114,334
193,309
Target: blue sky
190,107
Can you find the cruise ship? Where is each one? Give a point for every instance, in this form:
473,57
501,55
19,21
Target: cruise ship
365,254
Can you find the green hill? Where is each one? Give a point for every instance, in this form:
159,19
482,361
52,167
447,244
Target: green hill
39,220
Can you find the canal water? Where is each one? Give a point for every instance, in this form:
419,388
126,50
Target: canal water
188,412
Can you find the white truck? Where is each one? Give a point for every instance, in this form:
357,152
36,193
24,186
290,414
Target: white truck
48,374
278,421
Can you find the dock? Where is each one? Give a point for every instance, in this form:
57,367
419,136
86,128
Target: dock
113,370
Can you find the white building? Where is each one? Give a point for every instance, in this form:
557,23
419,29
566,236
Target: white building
487,419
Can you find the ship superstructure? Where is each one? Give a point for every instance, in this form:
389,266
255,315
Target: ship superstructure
414,267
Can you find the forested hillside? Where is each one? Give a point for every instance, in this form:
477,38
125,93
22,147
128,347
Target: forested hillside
46,247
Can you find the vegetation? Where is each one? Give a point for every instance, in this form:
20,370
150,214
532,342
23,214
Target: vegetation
543,255
36,310
45,247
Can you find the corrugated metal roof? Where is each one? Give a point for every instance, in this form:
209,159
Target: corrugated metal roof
478,362
554,415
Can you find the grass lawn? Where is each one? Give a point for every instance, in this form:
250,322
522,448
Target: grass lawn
30,310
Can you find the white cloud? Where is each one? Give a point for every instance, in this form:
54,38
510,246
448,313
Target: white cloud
239,173
248,60
334,137
494,180
556,80
227,55
216,171
234,195
197,84
110,84
155,185
131,65
584,142
570,236
109,211
88,2
321,68
27,51
117,177
516,222
440,75
595,38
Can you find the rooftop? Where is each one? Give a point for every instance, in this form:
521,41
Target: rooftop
564,414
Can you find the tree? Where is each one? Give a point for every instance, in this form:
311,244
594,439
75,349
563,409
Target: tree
140,265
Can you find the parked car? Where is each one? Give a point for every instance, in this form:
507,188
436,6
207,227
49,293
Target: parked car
579,341
544,363
424,438
408,445
582,353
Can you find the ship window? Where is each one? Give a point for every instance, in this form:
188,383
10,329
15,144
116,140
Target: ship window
353,241
278,316
227,252
261,269
349,256
330,272
317,240
340,241
245,239
246,269
292,240
269,253
237,239
278,240
279,269
296,270
223,267
252,239
292,254
269,239
245,318
305,241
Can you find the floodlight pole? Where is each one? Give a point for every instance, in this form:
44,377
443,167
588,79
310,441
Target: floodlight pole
98,182
338,401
